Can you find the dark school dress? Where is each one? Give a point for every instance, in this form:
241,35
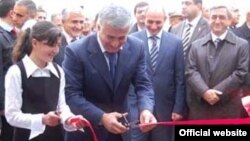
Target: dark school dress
40,95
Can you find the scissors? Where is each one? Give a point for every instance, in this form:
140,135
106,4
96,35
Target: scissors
126,123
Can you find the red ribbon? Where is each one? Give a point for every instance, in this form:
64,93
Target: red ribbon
88,124
241,121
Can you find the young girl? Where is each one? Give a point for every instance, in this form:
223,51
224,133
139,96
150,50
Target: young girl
35,101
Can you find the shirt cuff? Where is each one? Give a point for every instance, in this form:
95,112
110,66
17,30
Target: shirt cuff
37,126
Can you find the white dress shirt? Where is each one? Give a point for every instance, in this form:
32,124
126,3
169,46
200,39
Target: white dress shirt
13,98
193,24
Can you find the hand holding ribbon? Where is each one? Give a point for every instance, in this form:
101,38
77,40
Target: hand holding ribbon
146,117
79,121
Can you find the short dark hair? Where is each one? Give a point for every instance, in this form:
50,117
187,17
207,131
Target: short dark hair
5,7
140,4
30,5
197,1
229,14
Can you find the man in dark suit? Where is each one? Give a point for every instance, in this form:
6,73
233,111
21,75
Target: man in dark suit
7,39
99,70
217,66
139,12
244,32
167,75
191,29
72,20
192,11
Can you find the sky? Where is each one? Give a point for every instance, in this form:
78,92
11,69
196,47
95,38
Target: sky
93,6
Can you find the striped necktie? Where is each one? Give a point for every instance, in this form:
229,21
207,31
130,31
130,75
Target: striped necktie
154,52
186,38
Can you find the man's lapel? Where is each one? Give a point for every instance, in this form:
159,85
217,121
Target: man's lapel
99,62
123,61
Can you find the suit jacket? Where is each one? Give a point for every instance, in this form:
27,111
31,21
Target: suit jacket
225,71
134,29
244,32
90,90
6,45
202,28
168,79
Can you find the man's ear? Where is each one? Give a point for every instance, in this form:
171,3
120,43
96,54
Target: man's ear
11,13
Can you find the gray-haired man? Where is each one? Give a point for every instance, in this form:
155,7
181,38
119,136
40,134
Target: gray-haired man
99,70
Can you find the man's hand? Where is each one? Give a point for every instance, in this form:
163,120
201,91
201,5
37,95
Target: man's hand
111,123
147,117
211,96
176,117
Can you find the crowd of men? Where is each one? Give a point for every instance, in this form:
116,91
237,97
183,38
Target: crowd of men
197,68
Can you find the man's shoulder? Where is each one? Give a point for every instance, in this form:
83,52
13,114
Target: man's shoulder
139,33
133,29
171,36
3,31
133,39
84,42
203,40
242,31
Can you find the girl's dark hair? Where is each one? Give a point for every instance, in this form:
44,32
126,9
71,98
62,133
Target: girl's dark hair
41,31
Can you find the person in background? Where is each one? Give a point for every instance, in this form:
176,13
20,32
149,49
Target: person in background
87,26
57,20
235,17
193,27
244,32
8,33
216,69
205,12
99,70
175,18
165,66
139,12
24,14
35,101
41,14
72,20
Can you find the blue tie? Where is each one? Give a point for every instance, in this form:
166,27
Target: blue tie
112,57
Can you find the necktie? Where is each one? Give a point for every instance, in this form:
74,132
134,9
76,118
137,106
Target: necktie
112,57
154,52
217,42
186,38
13,32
